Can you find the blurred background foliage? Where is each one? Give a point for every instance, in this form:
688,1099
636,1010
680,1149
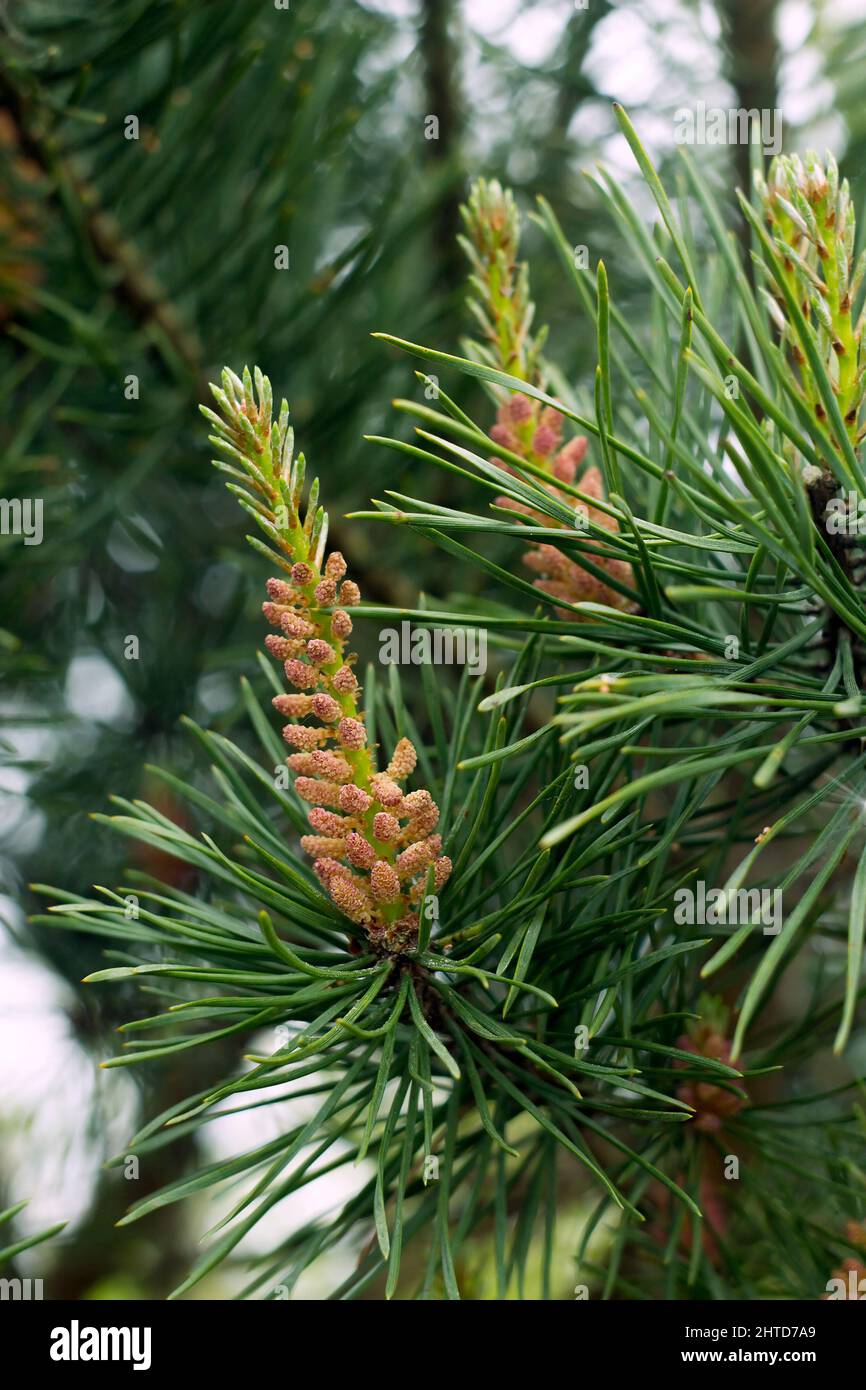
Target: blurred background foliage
132,268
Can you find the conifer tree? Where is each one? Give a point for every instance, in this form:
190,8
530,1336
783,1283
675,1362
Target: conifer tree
569,936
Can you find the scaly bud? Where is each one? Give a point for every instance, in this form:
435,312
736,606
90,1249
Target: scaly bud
295,626
544,441
292,706
441,872
332,765
384,882
300,675
326,869
280,591
354,800
344,682
325,707
517,409
321,653
326,592
385,790
359,851
335,566
279,647
302,575
326,822
341,623
350,898
402,765
423,812
318,791
352,733
304,736
385,826
301,763
414,859
318,846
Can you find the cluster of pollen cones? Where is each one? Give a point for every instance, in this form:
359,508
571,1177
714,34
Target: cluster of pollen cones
534,432
373,842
